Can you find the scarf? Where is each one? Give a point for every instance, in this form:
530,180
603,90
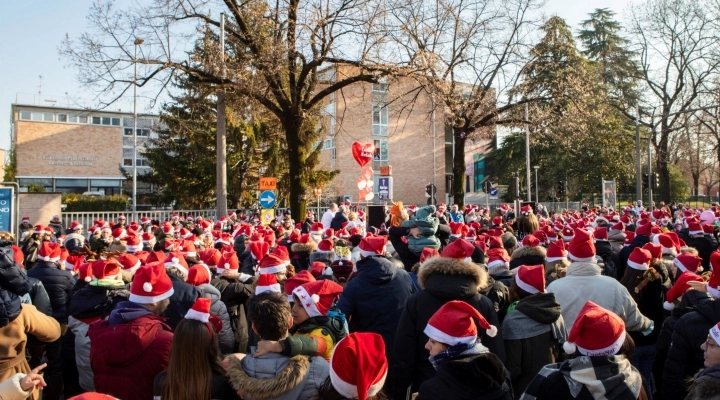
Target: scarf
454,351
610,377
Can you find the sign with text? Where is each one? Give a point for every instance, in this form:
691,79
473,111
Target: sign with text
268,183
385,188
385,170
6,209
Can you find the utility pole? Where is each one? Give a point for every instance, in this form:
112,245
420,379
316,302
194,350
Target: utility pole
638,168
527,154
221,167
138,42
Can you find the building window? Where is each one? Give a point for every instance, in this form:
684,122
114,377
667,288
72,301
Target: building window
110,121
83,119
62,118
36,116
143,162
127,162
380,119
381,85
328,144
140,132
25,115
381,155
479,166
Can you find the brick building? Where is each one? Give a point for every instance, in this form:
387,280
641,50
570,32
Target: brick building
74,151
398,119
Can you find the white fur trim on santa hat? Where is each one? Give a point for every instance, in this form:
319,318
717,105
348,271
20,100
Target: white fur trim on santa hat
524,286
133,249
274,269
275,287
634,265
150,299
349,390
308,302
135,267
498,263
581,259
198,316
366,253
442,337
174,262
190,253
607,351
553,259
48,258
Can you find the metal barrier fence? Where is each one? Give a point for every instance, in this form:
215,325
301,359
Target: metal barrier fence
87,218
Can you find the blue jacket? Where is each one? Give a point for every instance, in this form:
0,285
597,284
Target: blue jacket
13,284
374,300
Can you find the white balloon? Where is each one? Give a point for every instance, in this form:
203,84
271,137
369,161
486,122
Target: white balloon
369,196
361,185
370,183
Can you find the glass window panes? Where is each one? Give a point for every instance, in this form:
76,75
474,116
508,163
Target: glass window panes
71,182
36,181
106,120
127,162
36,116
48,117
380,119
83,119
381,86
128,131
143,162
96,120
72,118
106,182
25,115
115,122
62,118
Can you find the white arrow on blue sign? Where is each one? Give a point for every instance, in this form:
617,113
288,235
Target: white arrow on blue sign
493,191
385,188
267,199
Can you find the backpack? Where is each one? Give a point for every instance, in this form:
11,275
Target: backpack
338,324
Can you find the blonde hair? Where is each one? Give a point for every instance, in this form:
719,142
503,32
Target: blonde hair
4,235
352,216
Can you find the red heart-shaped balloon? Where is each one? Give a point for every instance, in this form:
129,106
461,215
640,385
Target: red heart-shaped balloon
363,153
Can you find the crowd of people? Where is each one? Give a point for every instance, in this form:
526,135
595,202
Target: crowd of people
435,303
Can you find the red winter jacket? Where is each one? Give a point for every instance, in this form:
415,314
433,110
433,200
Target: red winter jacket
125,357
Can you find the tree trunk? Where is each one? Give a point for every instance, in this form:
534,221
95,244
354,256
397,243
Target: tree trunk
458,189
297,155
662,162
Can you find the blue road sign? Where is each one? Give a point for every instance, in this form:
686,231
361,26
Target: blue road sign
385,188
493,191
267,199
6,207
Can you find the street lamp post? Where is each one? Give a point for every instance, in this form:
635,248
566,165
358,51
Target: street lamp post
138,42
536,185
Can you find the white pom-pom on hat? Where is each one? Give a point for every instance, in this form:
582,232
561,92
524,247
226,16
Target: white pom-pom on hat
147,286
227,265
88,278
175,260
569,347
669,306
315,298
492,332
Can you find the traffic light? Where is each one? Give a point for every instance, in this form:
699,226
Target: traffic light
487,186
645,181
656,180
430,190
560,188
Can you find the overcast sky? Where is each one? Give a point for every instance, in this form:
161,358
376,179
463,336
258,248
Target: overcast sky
32,30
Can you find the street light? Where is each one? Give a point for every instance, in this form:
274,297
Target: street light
536,185
138,42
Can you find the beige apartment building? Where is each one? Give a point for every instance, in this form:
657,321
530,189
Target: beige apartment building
72,150
409,134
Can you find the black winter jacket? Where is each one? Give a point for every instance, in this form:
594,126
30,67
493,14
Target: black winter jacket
475,377
300,258
499,294
58,283
528,255
234,294
441,280
93,302
690,300
685,357
705,246
338,221
639,241
374,300
650,302
39,296
13,284
182,299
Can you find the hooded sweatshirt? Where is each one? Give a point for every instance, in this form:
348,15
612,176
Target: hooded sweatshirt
533,334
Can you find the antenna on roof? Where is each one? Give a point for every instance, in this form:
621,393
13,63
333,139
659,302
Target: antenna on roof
40,86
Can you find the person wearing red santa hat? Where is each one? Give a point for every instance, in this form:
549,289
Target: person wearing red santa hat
199,276
556,261
533,329
584,282
685,356
195,368
441,279
642,236
464,366
128,372
706,383
600,370
316,329
235,289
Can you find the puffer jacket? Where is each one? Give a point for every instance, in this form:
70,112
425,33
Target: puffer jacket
583,281
690,301
234,294
650,302
499,294
89,304
425,220
182,299
58,283
128,350
374,300
706,384
685,356
617,240
469,377
533,333
226,338
278,377
705,246
441,280
528,255
13,284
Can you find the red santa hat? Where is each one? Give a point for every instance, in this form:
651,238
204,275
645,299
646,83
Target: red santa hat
694,228
258,249
567,233
619,227
457,322
151,284
156,256
129,262
133,243
688,262
427,252
211,257
372,245
272,264
267,283
600,234
713,285
654,249
75,226
639,259
531,278
596,332
49,251
119,233
329,233
317,297
530,241
200,310
495,242
497,258
581,247
316,228
228,260
71,262
198,274
629,237
176,259
645,229
459,249
455,228
282,253
106,269
187,248
358,366
497,221
556,252
679,288
325,246
148,238
296,280
25,219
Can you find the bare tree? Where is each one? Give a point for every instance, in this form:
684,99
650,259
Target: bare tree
676,42
468,54
283,55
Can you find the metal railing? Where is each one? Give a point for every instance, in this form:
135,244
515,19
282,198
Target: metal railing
87,218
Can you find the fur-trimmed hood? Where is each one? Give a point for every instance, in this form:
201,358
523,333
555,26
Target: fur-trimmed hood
529,251
451,266
285,379
300,247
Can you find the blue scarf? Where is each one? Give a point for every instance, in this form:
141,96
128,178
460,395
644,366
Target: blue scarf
455,351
